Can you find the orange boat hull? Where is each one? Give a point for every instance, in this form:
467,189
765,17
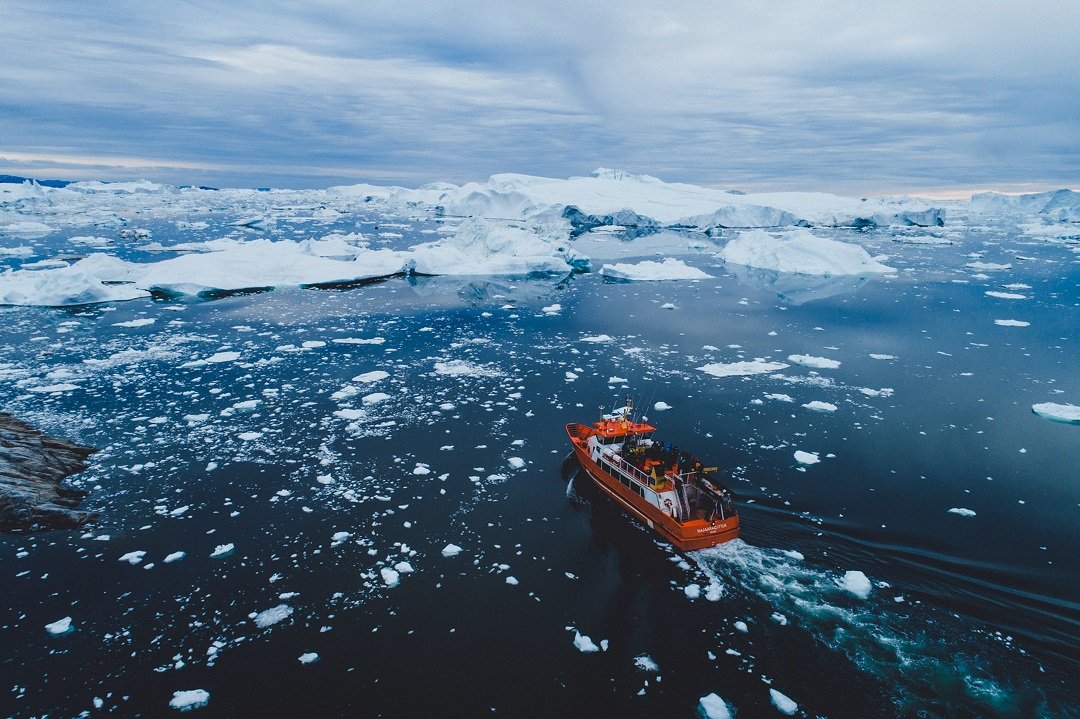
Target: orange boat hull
687,536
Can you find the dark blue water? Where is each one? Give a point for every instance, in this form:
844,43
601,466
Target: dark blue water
967,616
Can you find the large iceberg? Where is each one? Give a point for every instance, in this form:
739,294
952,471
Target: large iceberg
482,247
800,252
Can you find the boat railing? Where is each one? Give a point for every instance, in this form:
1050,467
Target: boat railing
620,463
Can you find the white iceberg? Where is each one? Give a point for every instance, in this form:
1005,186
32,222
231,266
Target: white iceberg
736,369
482,247
188,699
712,706
800,252
1067,413
648,270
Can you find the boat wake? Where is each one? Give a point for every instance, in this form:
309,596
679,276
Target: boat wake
936,660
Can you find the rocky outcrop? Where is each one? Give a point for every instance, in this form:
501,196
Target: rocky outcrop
32,468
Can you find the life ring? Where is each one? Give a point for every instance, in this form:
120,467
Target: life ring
667,503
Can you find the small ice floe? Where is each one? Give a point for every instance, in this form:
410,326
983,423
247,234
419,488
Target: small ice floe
584,644
552,309
338,538
374,398
650,271
814,362
516,462
1005,295
512,581
55,388
140,322
881,356
1011,323
806,458
451,550
390,577
598,339
223,549
617,380
737,369
712,706
249,436
308,657
133,558
175,557
461,368
692,591
216,358
988,266
782,702
646,663
962,511
818,406
661,406
421,469
856,583
1067,413
269,617
403,568
188,699
373,376
359,341
60,626
740,625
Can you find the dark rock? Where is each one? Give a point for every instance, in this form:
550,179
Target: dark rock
32,467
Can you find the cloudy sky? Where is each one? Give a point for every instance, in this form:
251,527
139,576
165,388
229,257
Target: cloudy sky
842,96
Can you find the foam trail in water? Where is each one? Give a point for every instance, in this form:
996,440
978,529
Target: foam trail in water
928,657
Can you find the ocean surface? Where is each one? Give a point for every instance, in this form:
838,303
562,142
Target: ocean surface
925,566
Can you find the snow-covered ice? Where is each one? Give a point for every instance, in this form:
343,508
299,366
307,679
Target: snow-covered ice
269,617
712,706
856,583
60,626
650,271
782,702
800,252
188,699
1068,413
737,369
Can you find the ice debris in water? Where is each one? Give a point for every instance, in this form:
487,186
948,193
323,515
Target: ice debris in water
175,556
1068,413
60,626
272,616
584,644
646,663
814,362
650,271
188,699
782,702
133,557
222,549
736,369
962,511
713,707
692,591
819,406
800,252
308,657
806,457
661,406
857,583
390,577
451,550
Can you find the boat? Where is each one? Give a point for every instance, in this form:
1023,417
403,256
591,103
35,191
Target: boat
667,489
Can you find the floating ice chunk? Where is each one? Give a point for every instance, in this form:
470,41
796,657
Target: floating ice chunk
692,591
60,626
174,557
1068,413
461,368
598,339
713,707
646,663
962,511
390,577
661,406
1005,295
552,309
584,644
800,252
359,341
338,538
857,583
516,462
222,549
269,617
780,397
451,550
482,247
815,362
249,436
141,322
741,626
247,404
308,657
133,558
1012,323
806,457
215,358
736,369
617,380
421,469
650,271
782,702
988,266
188,699
55,388
350,414
881,356
513,581
194,419
403,568
818,406
373,376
